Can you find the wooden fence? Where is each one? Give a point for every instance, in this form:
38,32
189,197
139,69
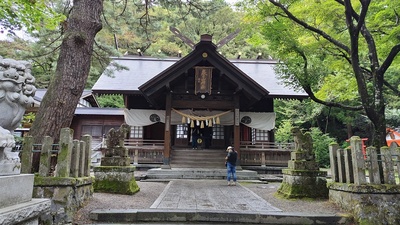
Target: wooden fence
145,151
353,167
265,153
68,158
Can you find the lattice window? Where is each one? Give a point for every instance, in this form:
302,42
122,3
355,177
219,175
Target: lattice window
262,135
181,131
93,130
218,132
136,132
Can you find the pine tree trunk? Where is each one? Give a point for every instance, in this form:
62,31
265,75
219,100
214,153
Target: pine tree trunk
58,106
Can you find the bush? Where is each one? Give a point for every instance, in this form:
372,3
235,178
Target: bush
321,144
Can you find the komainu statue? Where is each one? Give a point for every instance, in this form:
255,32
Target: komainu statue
303,143
115,141
16,93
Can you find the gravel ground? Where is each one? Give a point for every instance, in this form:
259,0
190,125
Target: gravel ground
149,192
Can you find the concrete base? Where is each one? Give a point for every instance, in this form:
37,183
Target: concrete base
15,189
198,173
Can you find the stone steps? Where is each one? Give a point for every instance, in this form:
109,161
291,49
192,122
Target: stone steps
198,158
197,173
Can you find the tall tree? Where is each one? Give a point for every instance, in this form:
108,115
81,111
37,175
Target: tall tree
346,41
73,65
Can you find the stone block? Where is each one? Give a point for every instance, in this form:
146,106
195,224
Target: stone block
303,165
115,179
303,184
297,155
15,189
115,161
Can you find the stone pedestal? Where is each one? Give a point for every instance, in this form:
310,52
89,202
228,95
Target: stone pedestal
115,179
17,205
303,179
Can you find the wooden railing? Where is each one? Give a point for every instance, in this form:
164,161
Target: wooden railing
265,153
145,151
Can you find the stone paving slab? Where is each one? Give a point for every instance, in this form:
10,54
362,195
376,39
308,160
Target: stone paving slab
210,195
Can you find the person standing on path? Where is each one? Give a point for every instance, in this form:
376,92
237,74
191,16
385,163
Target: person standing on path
231,159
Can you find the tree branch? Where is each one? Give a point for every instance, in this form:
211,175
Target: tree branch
389,59
309,27
308,90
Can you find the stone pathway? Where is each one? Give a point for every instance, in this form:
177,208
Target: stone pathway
210,195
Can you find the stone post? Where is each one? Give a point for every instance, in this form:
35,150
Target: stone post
341,166
26,158
348,166
333,161
45,156
374,175
75,158
388,170
88,153
65,152
82,158
358,160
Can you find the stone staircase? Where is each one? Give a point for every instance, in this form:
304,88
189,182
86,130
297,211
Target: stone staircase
198,158
198,164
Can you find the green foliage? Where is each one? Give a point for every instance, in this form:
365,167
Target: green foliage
283,133
111,101
321,143
31,15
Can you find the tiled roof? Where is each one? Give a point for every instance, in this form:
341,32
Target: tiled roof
99,111
142,69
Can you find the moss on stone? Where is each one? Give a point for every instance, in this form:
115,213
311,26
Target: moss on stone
288,191
116,186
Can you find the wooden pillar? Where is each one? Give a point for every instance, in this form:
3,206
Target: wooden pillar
167,132
236,127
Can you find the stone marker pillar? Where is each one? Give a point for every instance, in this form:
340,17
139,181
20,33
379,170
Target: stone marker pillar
16,92
303,179
115,174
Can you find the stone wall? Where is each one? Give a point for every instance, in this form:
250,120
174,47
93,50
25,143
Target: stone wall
67,196
369,204
364,183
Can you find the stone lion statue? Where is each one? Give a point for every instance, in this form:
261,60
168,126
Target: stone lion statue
16,93
303,142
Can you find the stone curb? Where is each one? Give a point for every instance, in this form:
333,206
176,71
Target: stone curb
193,216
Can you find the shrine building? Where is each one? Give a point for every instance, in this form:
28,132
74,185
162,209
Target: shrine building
202,97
